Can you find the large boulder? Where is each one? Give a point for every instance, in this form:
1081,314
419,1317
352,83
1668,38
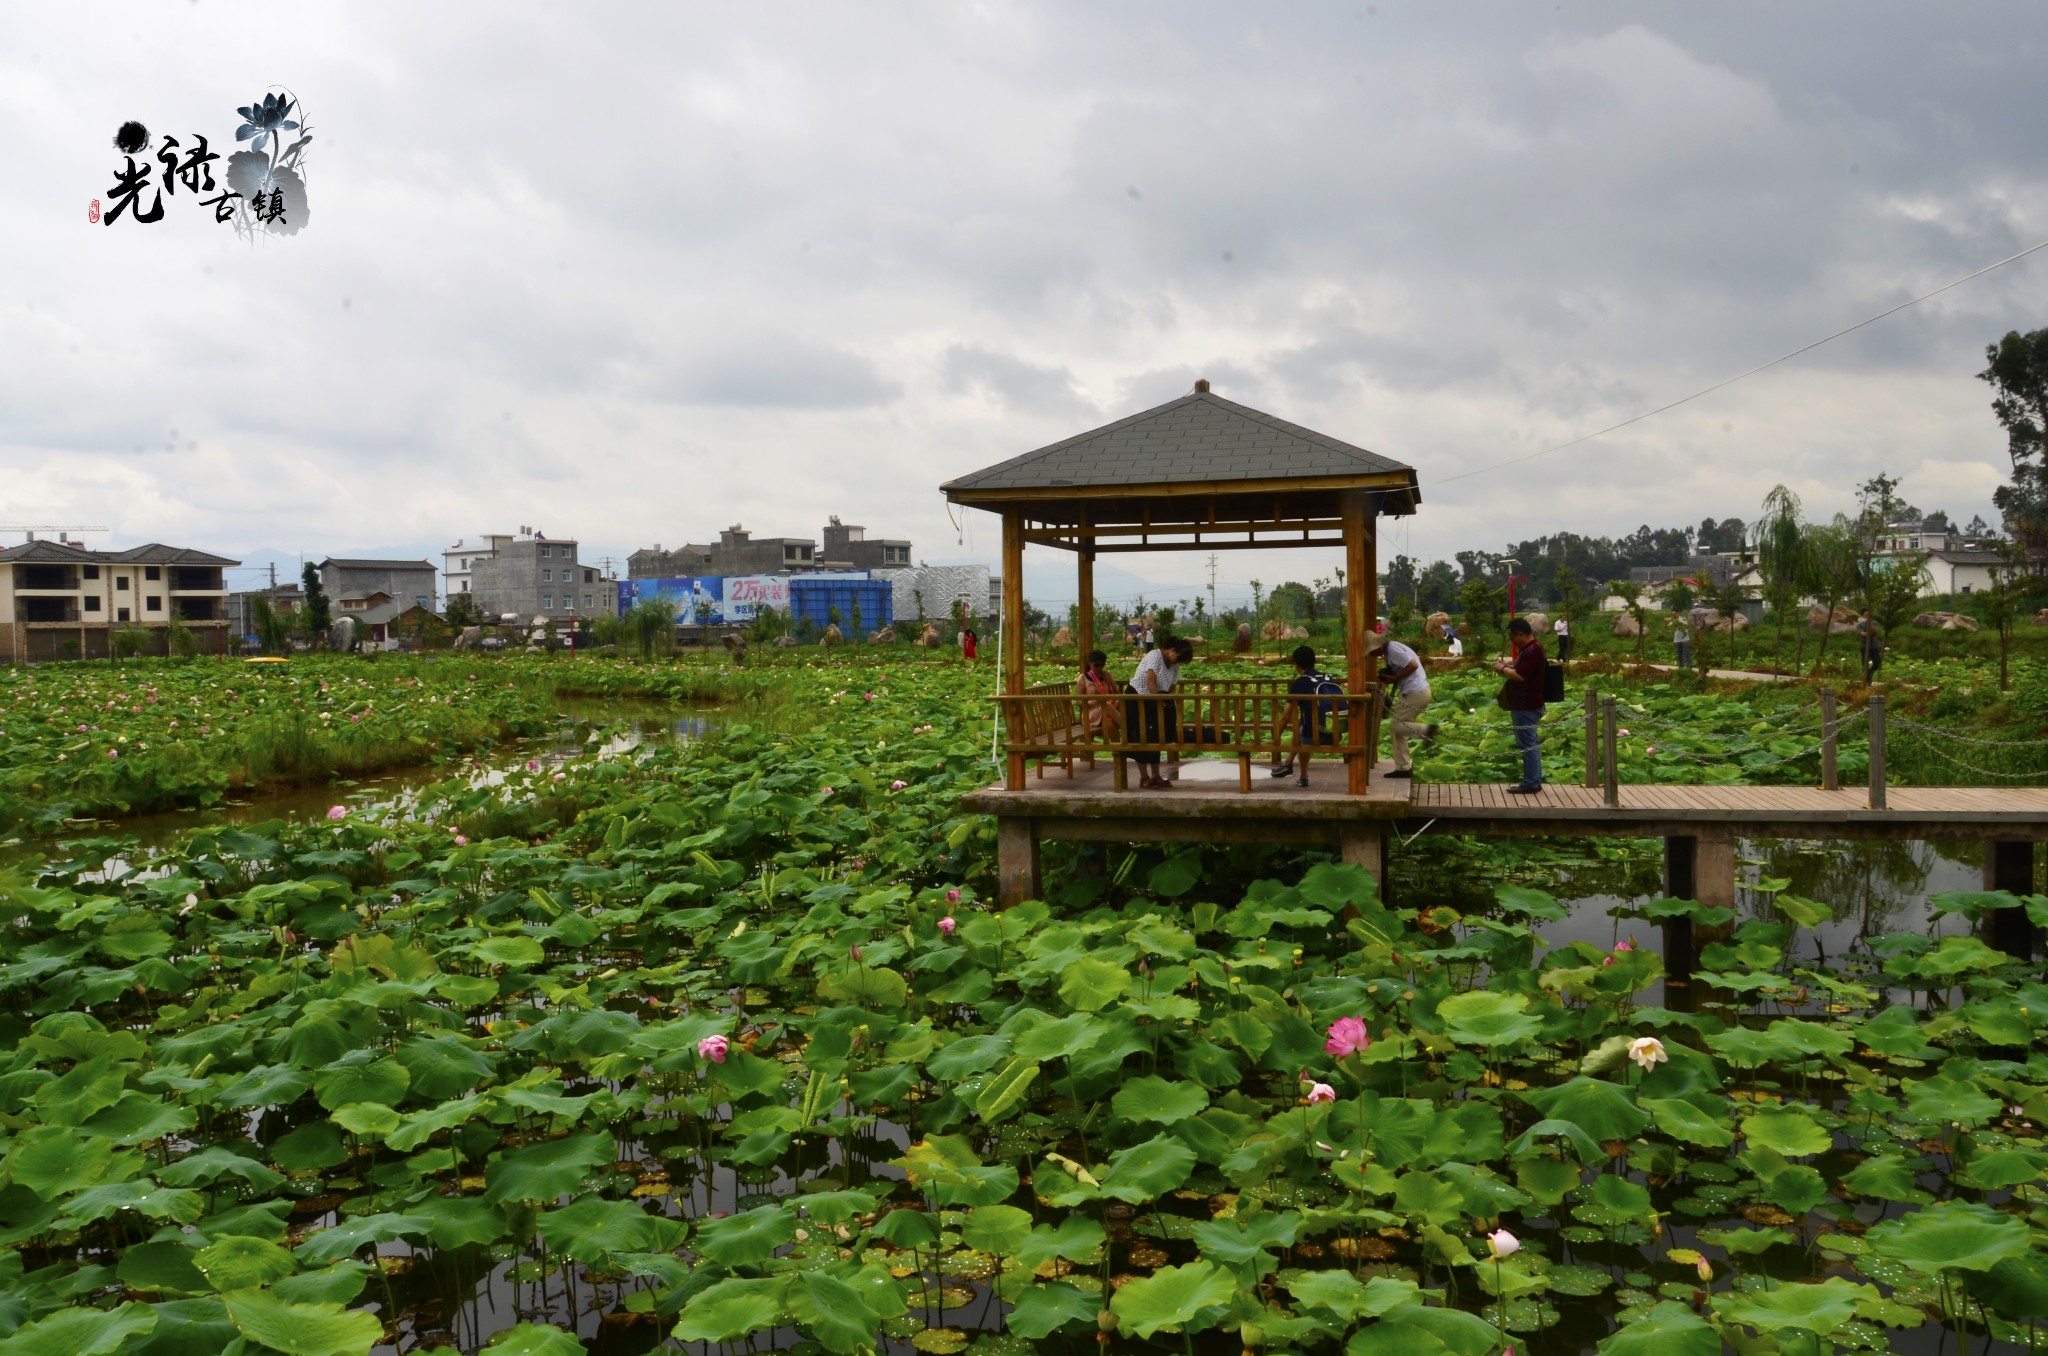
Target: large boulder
470,639
929,640
885,636
1946,621
1274,630
785,642
1539,620
1241,643
1842,621
1625,625
833,636
1710,619
1062,639
1433,625
341,636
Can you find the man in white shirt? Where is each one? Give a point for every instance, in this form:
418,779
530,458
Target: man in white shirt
1562,629
1401,669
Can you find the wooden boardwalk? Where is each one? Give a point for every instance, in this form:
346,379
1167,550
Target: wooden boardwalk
1699,823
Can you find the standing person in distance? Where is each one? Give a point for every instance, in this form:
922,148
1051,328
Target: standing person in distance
1155,722
967,643
1681,640
1522,695
1453,647
1870,637
1402,670
1562,629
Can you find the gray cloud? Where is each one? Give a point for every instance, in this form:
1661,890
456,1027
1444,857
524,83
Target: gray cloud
778,249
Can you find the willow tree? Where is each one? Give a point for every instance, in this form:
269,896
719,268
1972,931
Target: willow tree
1784,557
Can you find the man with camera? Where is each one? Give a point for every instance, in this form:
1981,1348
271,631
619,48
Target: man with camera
1401,673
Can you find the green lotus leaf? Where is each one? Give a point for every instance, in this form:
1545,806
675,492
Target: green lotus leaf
212,1164
1172,1297
836,1313
357,1077
443,1066
2002,1168
350,1236
732,1309
1148,1171
533,1339
1603,1110
511,952
87,1088
1045,1309
748,1238
1664,1329
548,1170
1818,1308
237,1263
996,1229
1941,1100
1519,901
1075,1238
867,986
1158,1101
1090,984
1005,1090
1061,1038
82,1331
158,1267
1951,1236
2016,1287
1791,1133
140,1118
302,1329
1682,1120
968,1055
1349,1298
1487,1018
590,1229
1886,1177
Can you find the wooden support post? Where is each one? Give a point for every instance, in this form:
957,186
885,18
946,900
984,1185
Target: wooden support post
1359,606
1361,843
1700,868
1244,773
1611,755
1592,739
1877,750
1016,860
1012,623
1830,780
1084,574
2009,866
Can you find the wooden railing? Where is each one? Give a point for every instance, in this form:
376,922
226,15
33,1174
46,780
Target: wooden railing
1245,717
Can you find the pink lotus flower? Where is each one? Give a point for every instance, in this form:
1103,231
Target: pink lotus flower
1503,1244
946,925
952,896
1347,1037
337,812
460,841
827,791
533,765
1622,733
1628,945
113,753
713,1048
1321,1092
898,785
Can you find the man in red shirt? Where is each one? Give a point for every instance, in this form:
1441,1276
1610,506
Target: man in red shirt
1523,697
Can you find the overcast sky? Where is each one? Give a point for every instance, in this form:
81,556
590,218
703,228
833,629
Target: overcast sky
632,273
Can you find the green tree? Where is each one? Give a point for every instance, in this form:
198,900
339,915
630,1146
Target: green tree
179,639
273,628
462,611
1678,596
1637,606
319,614
2017,369
1293,601
1438,589
1894,586
1728,599
1404,580
1571,596
1486,609
2002,604
1784,558
649,626
1834,572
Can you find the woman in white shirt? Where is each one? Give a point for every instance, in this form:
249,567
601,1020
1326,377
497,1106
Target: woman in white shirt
1157,672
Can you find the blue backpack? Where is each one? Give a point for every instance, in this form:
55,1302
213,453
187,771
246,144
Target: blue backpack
1325,686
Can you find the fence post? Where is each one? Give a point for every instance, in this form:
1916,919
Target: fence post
1592,739
1613,761
1877,750
1829,780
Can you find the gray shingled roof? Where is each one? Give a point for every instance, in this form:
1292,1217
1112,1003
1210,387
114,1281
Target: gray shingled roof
348,564
155,553
1199,437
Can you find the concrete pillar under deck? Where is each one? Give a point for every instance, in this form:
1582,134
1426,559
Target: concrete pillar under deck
1363,844
2009,866
1017,876
1699,867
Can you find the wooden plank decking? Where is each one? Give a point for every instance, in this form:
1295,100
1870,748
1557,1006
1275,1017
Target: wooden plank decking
1207,791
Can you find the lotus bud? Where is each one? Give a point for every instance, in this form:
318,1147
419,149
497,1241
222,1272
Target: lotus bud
1503,1244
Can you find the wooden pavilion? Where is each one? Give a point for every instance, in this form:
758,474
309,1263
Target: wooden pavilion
1200,473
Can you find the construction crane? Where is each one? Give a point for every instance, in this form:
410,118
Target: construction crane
32,528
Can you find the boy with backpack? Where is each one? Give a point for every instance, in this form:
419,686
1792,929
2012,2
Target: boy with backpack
1315,716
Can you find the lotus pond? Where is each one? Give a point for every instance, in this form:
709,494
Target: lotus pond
714,1044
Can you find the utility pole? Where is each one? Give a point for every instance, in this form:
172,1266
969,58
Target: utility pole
273,574
1212,583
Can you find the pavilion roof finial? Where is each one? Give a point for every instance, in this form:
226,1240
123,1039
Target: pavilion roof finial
1201,386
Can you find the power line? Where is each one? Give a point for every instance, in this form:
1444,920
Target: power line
1730,381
